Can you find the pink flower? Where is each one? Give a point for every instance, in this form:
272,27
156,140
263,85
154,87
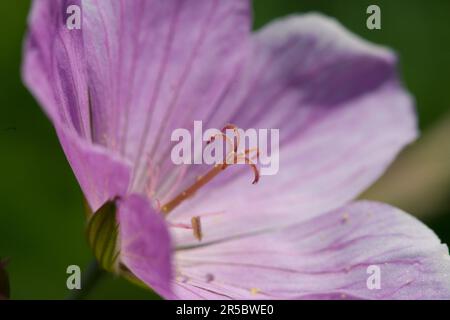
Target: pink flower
137,70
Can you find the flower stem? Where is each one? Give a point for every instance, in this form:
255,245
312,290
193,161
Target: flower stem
89,279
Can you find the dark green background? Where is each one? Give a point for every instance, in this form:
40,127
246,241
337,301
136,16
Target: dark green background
41,212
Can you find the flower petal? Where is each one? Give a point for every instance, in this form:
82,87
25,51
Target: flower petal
101,175
145,246
135,70
342,115
326,257
54,69
54,66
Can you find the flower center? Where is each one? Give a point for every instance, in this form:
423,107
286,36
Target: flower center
233,157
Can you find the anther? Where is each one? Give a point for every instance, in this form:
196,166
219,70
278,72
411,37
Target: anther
197,227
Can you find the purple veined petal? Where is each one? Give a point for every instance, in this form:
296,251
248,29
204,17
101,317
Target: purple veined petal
54,66
342,115
101,175
168,62
54,69
135,70
145,246
331,256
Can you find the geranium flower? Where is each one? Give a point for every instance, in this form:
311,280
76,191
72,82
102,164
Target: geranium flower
136,70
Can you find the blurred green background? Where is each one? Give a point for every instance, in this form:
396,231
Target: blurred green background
41,212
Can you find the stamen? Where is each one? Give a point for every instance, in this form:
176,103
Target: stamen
231,158
237,137
253,166
180,225
225,138
256,150
193,188
197,227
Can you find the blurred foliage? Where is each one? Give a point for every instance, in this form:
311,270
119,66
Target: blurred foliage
42,226
4,281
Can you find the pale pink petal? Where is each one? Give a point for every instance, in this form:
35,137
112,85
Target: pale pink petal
342,115
325,257
135,71
145,246
101,175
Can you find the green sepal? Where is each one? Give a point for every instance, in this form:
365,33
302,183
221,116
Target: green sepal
102,233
